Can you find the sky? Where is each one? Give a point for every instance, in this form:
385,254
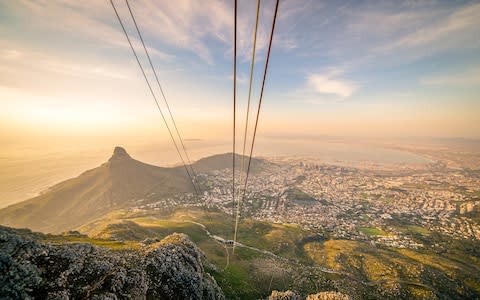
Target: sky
337,68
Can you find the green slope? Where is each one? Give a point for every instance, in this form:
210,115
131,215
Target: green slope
302,261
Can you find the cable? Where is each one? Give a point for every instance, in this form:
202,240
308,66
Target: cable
153,95
252,66
234,102
163,95
258,114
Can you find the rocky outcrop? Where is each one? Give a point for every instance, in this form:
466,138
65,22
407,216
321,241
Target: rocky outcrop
119,153
170,269
328,296
290,295
287,295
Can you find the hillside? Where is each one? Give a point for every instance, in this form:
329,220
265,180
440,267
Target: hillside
170,269
121,182
285,256
113,185
224,161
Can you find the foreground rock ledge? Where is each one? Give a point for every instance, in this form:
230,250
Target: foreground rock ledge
170,269
290,295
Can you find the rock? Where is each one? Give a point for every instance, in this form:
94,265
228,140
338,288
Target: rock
287,295
328,296
149,241
170,269
290,295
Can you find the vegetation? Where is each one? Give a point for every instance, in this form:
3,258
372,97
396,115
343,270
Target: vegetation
372,231
303,258
415,229
298,196
111,244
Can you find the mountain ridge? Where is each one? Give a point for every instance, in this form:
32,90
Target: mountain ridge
113,185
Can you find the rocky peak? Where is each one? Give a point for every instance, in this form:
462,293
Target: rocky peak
119,153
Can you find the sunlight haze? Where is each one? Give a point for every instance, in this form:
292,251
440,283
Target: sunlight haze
337,69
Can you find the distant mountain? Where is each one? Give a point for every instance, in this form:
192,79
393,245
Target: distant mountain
224,161
113,185
116,184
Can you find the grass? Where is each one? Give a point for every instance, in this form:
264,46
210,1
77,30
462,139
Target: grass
413,229
386,199
372,231
421,293
111,244
391,267
377,269
236,282
327,253
432,260
167,227
418,186
298,196
418,229
473,283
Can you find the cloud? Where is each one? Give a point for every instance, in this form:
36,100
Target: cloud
374,34
76,22
196,27
461,25
13,61
323,88
324,84
467,77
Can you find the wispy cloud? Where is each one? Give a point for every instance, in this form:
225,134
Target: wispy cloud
461,25
464,78
25,60
197,27
323,88
324,84
385,33
77,21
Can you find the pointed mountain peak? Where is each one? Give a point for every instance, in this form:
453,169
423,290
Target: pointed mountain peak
119,153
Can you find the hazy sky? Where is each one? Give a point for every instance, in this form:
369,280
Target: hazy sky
353,68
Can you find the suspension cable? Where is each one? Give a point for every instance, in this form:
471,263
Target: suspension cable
153,95
234,103
258,115
164,97
252,66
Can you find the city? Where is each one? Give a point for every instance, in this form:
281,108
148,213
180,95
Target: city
350,203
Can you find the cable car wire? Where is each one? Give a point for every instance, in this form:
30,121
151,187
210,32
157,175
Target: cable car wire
234,103
258,113
252,66
164,97
153,95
